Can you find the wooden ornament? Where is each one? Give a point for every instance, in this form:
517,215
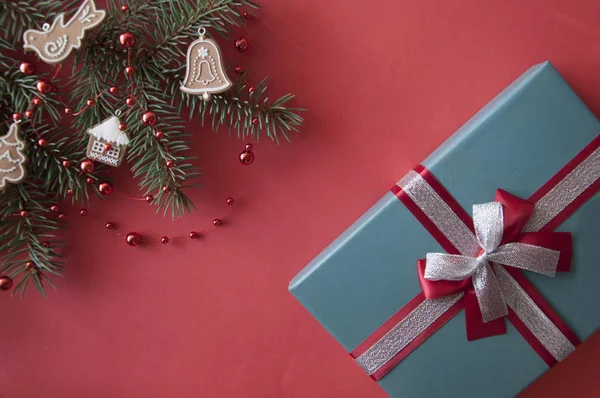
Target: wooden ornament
54,43
107,135
12,157
205,73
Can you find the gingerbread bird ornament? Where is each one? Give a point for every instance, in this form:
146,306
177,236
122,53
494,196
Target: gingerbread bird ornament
54,43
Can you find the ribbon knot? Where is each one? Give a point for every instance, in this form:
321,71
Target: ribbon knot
501,243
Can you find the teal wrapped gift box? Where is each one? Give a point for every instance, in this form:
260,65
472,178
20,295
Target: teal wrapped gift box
517,142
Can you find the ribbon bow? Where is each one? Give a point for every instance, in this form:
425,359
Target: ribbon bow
498,227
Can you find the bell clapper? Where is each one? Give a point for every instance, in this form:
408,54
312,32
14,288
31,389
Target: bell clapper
206,97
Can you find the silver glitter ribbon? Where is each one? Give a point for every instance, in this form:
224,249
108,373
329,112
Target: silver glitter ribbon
488,219
495,287
565,192
404,332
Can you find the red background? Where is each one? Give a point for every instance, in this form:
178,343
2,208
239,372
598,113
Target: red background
384,83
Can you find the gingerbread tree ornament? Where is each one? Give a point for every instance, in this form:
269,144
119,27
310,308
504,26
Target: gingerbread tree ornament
12,157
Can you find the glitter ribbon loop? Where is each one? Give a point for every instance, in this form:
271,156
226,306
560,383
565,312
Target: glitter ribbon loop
488,221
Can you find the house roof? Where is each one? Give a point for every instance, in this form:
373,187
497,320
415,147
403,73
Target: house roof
109,131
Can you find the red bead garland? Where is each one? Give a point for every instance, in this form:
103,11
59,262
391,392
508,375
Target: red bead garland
246,157
149,118
241,44
43,86
127,39
133,239
87,166
105,188
5,283
26,68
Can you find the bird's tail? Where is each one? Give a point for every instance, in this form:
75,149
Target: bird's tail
87,15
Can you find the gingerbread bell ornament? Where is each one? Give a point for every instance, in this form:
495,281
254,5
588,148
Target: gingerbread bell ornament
205,74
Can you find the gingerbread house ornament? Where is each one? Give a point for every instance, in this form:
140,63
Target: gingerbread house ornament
105,133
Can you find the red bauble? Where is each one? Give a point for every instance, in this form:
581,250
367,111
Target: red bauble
149,118
127,39
5,283
26,68
29,114
66,163
251,89
68,111
129,71
43,86
107,147
42,142
246,157
122,126
46,244
30,264
166,189
83,212
133,239
105,188
125,8
241,44
113,90
247,15
217,222
62,216
230,201
87,166
54,208
70,192
24,213
164,240
249,146
110,225
90,102
239,70
193,235
149,198
130,101
89,180
170,163
17,117
37,101
255,121
160,135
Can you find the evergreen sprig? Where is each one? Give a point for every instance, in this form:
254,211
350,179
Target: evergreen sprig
31,238
163,30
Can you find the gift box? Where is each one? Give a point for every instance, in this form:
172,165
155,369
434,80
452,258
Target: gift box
535,144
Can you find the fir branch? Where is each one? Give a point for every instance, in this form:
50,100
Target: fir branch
21,237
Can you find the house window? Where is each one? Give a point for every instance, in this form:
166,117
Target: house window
113,153
97,147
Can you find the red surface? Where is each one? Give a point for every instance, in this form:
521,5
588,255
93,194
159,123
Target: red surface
385,83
